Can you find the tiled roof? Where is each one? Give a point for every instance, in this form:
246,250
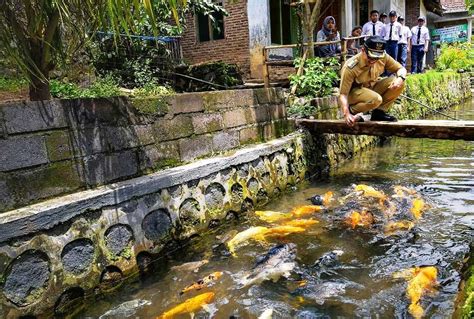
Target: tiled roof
454,5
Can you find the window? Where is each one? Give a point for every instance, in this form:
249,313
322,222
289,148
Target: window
283,22
210,30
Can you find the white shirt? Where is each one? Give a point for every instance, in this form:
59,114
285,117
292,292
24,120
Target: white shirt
424,35
368,29
396,31
405,35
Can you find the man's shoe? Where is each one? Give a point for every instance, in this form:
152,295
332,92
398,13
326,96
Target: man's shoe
379,115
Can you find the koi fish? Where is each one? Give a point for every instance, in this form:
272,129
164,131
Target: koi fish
401,191
421,280
267,314
257,233
301,223
189,306
191,266
393,227
278,262
306,210
362,219
270,216
328,198
369,191
198,285
284,230
417,208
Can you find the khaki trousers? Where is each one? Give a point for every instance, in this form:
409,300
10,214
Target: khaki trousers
378,97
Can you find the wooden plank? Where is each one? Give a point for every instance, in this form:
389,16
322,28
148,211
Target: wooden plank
436,129
266,73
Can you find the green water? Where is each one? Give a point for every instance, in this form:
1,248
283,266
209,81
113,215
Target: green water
361,284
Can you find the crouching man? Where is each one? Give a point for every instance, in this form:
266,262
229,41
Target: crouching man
361,88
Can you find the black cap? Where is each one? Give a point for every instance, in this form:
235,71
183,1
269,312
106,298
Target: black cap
375,47
383,14
392,13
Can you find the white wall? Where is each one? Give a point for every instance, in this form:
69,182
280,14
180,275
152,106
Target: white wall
258,12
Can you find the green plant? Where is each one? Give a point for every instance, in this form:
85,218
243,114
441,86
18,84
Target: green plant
456,56
301,108
102,87
319,77
12,84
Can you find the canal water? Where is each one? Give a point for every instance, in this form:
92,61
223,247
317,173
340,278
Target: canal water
358,281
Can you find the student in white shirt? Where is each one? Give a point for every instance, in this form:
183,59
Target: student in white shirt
420,40
391,33
374,26
403,48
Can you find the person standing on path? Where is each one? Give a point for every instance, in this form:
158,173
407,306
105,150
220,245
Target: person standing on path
361,88
420,40
374,26
391,33
403,47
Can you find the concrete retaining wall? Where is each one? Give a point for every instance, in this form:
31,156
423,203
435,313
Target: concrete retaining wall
61,146
63,249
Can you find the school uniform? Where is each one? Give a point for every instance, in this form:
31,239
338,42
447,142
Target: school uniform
391,33
371,28
405,36
420,37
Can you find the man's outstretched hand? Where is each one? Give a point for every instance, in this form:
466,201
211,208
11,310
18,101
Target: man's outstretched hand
350,119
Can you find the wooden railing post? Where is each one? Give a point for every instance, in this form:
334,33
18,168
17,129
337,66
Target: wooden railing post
266,74
343,50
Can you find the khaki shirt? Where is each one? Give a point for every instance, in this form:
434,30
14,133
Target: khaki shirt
356,72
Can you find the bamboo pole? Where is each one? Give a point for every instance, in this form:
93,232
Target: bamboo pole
300,71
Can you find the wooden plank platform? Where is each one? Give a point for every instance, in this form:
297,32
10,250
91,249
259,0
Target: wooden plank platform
436,129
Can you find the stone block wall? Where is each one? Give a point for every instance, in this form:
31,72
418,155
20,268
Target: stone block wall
56,253
61,146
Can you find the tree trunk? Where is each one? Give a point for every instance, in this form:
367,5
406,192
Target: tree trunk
39,90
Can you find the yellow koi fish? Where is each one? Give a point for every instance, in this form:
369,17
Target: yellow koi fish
189,306
369,191
301,223
284,230
393,227
257,233
271,217
306,210
417,208
198,285
362,219
328,198
402,191
421,280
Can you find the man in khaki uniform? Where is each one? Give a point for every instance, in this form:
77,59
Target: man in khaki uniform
361,88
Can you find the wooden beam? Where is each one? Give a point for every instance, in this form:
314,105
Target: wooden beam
436,129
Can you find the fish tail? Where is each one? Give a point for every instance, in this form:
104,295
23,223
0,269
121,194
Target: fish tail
415,310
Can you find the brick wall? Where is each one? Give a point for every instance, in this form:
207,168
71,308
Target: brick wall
234,48
412,9
56,147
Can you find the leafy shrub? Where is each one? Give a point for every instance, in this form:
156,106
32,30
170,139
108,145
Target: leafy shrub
151,98
319,78
455,57
102,87
14,84
152,90
301,108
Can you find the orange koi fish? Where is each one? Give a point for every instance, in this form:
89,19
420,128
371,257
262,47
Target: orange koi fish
369,191
257,233
189,306
284,230
306,210
393,227
271,217
417,208
421,280
301,223
198,285
362,219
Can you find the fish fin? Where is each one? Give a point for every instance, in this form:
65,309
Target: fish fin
191,315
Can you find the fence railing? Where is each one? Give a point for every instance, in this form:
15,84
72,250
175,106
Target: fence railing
267,62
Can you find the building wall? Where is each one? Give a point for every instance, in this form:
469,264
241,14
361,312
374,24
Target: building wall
258,12
234,48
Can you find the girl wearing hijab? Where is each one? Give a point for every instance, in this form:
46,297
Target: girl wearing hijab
328,33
